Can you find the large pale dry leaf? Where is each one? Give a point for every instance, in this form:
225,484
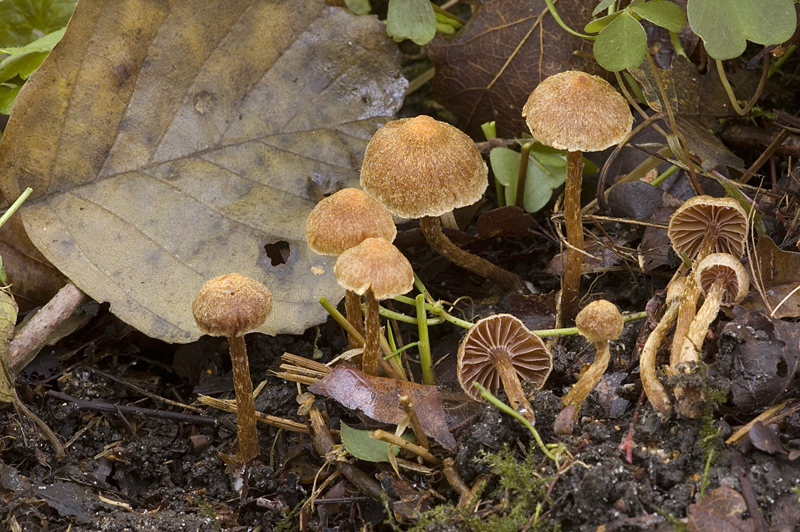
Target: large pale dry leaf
168,143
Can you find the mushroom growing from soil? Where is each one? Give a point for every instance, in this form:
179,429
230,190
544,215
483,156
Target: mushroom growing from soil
341,221
576,112
232,305
423,168
500,349
599,322
701,226
376,269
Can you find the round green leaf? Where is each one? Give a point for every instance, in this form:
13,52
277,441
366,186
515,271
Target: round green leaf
411,19
662,13
622,44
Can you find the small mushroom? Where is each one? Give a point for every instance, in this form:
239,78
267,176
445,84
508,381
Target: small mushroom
500,349
232,305
376,269
577,112
423,168
599,322
343,220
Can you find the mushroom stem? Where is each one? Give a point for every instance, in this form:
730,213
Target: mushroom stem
369,361
580,390
686,313
352,307
508,376
570,283
690,350
245,406
432,229
647,362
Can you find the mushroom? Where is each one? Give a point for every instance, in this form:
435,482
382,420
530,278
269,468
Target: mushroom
343,220
422,168
377,269
701,226
599,322
232,305
647,361
500,349
576,112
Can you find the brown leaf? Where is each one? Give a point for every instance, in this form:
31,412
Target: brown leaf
777,271
765,438
168,143
786,513
721,511
506,221
490,68
376,398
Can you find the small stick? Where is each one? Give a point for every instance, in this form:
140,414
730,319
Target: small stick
388,437
416,426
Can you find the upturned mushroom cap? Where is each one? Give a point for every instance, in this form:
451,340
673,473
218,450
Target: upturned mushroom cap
423,167
231,305
599,321
495,336
576,111
727,269
377,265
703,215
345,219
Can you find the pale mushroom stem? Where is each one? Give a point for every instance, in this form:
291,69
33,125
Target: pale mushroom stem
690,350
570,283
432,229
352,307
369,360
647,363
508,376
580,390
245,406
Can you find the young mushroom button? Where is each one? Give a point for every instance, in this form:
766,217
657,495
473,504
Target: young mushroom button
232,305
500,349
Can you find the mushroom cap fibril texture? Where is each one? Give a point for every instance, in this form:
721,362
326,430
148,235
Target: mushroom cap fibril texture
599,321
375,264
501,335
231,305
707,217
423,167
345,219
576,111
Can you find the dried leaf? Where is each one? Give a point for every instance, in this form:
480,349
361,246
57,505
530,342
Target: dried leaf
506,221
490,68
170,143
8,318
765,438
721,511
777,272
376,398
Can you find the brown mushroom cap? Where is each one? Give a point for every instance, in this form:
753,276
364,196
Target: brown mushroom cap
702,215
599,321
727,269
231,305
501,335
377,265
422,167
345,219
576,111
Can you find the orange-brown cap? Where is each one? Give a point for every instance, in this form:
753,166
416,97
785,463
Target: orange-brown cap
423,167
576,111
376,265
495,336
703,217
725,269
345,219
599,321
231,305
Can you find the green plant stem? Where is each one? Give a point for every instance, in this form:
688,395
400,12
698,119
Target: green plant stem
729,90
424,348
524,157
485,394
552,8
392,315
665,174
776,66
14,206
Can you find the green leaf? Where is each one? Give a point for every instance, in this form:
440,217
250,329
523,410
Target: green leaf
359,444
359,7
600,24
662,13
8,93
540,179
605,4
622,44
411,19
726,25
23,21
23,61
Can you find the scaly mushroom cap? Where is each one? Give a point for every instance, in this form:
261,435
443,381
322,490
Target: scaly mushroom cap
702,215
422,167
599,321
576,111
231,305
345,219
377,265
726,268
495,336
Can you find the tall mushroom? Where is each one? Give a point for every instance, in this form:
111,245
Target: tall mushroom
423,168
599,322
341,221
500,349
576,112
232,305
376,269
